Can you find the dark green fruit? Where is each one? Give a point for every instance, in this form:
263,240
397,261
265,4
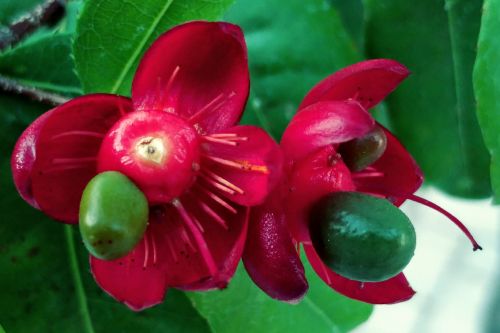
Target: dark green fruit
359,153
361,237
113,215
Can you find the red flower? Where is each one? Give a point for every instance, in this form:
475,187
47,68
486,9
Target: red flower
333,112
176,139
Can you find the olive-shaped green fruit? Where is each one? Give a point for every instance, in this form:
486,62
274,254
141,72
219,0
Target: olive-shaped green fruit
359,153
361,237
113,215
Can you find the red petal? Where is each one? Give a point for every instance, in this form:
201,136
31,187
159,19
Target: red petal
322,124
129,280
270,257
199,249
399,177
23,158
66,151
244,164
394,290
312,178
368,82
196,68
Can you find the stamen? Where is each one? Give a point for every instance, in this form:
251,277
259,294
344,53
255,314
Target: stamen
224,135
153,244
172,79
223,181
212,106
202,244
186,240
219,200
197,115
198,224
80,133
217,185
74,160
232,137
171,248
213,214
451,217
146,251
221,141
369,174
241,165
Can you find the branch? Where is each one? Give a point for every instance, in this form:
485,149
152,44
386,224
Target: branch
49,13
12,86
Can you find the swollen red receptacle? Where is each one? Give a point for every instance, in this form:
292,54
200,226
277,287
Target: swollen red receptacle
157,150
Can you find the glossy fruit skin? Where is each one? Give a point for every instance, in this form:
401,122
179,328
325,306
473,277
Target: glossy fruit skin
361,237
361,152
113,215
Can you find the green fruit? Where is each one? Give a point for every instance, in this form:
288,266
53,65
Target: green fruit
361,237
113,215
359,153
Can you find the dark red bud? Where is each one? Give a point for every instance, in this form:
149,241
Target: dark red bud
270,256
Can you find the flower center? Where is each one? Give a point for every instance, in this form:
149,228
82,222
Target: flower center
158,151
151,149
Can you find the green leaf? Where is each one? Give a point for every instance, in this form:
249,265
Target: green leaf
433,111
291,48
44,271
51,69
352,14
487,86
244,308
1,329
112,35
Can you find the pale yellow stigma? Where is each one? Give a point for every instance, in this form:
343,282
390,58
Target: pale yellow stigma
151,149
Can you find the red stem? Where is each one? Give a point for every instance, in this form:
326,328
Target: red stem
455,220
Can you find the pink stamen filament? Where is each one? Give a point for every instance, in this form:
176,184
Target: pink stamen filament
213,214
240,165
171,248
207,107
217,185
223,181
219,200
153,244
212,106
172,78
229,136
451,217
187,240
79,133
202,245
369,174
146,251
198,224
221,141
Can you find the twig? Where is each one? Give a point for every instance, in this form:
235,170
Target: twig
48,14
12,86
